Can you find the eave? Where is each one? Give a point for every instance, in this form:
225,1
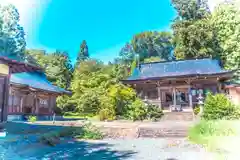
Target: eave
222,76
16,66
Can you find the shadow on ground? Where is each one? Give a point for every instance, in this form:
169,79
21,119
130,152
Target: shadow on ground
22,139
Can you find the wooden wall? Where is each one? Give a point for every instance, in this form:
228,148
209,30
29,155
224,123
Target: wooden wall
36,103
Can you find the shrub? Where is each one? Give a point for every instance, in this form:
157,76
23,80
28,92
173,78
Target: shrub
108,109
196,110
106,114
121,96
32,119
50,139
219,107
137,110
90,132
87,131
89,103
154,112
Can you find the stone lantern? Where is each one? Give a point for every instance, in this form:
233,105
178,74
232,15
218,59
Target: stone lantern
200,102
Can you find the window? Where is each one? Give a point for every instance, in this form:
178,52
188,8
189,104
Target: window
43,102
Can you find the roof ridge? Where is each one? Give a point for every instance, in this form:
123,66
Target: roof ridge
177,60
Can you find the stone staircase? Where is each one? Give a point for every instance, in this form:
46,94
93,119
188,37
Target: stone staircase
163,132
178,116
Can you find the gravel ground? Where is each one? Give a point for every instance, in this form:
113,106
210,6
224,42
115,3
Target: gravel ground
109,149
26,147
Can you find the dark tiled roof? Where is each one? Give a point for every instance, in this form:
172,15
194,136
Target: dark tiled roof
177,68
35,80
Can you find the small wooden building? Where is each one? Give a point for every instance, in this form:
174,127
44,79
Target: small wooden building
25,90
179,85
7,67
32,94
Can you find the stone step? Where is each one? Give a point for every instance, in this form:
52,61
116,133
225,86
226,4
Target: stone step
178,116
162,132
147,132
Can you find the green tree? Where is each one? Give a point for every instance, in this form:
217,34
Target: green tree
83,53
126,55
191,9
57,66
194,35
12,40
152,43
226,22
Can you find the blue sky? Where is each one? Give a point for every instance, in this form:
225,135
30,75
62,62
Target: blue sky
106,25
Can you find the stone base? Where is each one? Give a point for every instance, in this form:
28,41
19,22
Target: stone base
178,116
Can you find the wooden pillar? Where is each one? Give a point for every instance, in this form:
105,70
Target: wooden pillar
219,85
190,96
13,97
159,95
36,103
49,104
174,97
21,103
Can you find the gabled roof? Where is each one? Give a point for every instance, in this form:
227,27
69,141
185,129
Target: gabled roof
18,65
197,67
36,80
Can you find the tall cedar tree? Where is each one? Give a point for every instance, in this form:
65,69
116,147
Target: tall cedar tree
83,53
12,40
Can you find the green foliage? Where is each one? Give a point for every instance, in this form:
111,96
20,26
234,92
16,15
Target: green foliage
196,110
205,130
106,114
120,97
195,39
126,55
154,112
219,107
148,44
194,34
133,66
152,59
97,90
57,66
50,139
137,110
87,131
191,9
83,53
226,22
32,119
12,36
90,132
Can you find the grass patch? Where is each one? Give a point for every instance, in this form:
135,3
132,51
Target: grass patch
87,131
81,117
32,119
216,136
